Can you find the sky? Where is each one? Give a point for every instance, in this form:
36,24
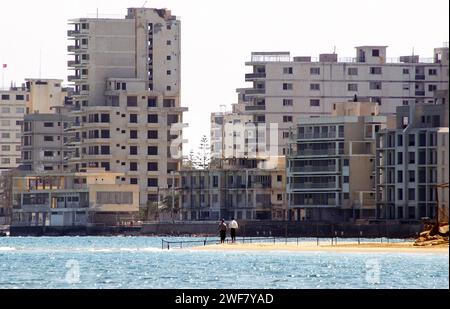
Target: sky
218,37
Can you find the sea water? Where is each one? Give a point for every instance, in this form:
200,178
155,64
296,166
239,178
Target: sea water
140,262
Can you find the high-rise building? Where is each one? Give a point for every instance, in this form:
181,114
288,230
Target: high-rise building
412,160
127,97
285,89
331,163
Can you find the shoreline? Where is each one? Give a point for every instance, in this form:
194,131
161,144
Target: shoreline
343,247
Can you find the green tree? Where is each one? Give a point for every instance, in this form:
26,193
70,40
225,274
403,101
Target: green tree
204,154
171,204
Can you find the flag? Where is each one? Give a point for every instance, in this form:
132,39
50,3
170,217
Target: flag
5,65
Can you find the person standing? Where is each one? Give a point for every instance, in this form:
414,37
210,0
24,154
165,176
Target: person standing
223,231
233,229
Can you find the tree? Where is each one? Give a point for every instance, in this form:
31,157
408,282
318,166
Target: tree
204,155
189,163
169,204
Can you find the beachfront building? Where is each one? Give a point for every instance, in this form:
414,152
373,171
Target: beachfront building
331,163
412,159
285,89
13,103
239,188
127,111
5,196
45,141
73,199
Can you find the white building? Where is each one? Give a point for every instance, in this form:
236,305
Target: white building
127,97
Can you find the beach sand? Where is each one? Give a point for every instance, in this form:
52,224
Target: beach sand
343,247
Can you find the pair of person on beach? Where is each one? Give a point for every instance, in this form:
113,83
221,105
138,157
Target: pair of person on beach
223,230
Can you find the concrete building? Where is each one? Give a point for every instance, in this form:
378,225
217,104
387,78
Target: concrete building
45,141
236,189
73,199
13,104
412,160
331,162
127,113
45,95
5,196
285,89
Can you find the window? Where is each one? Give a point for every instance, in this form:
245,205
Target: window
133,150
152,166
133,134
279,178
405,102
48,138
314,71
314,87
152,134
20,110
314,102
6,148
168,72
48,124
287,118
411,194
132,101
288,102
405,71
133,166
133,181
400,176
6,161
411,139
432,87
285,135
374,85
405,86
169,42
411,157
48,153
152,151
399,140
287,86
104,150
20,97
352,87
375,53
411,176
399,158
133,118
400,194
352,71
152,182
168,88
5,97
152,118
287,70
5,135
432,72
152,102
169,58
104,133
104,118
375,70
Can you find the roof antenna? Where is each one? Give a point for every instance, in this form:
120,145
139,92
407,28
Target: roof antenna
144,4
413,51
97,13
334,50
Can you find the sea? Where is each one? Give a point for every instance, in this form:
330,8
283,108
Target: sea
143,263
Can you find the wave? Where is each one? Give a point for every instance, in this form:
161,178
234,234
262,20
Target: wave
3,249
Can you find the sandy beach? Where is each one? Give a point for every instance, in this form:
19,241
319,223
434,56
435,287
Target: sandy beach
406,247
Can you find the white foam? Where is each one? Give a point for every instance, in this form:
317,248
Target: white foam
7,249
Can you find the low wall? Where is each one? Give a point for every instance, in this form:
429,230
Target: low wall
72,231
289,229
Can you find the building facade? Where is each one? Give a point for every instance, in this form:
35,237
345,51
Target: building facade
331,162
412,160
13,104
126,97
285,89
237,189
73,199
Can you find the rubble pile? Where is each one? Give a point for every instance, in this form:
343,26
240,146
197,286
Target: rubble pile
433,235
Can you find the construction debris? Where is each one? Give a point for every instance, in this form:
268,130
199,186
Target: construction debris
433,235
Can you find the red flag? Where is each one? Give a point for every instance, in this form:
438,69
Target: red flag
5,65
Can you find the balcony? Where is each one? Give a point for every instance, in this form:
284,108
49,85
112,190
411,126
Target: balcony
252,76
420,76
73,32
315,152
313,185
255,108
313,169
420,93
72,48
317,135
72,78
255,91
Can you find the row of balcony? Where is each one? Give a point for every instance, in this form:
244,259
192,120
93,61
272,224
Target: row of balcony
313,185
320,135
311,168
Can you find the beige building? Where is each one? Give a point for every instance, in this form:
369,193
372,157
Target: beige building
73,199
412,160
5,196
237,189
331,162
128,114
285,89
13,103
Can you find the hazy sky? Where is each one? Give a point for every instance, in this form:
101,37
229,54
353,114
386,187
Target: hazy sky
218,37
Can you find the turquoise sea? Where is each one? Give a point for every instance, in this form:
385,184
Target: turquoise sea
139,262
